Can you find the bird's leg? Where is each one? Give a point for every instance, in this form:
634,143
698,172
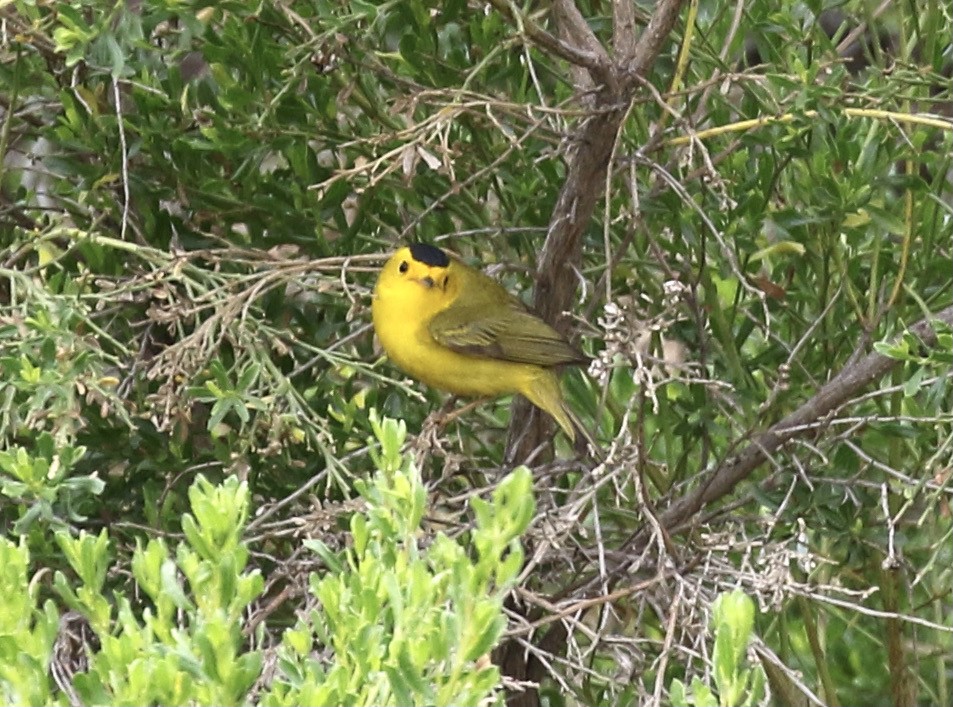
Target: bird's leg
429,437
433,426
445,417
434,423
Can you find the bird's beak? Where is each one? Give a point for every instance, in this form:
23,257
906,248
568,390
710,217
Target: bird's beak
426,282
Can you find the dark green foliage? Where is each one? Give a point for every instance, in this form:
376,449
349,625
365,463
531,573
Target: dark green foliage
192,201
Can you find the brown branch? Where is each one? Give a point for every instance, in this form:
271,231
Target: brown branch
588,165
587,170
679,516
623,27
651,40
838,391
578,30
597,63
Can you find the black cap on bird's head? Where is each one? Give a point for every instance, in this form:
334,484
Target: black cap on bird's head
429,255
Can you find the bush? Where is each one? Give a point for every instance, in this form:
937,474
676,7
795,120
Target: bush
394,621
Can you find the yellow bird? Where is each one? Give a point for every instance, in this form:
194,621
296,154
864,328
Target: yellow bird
459,330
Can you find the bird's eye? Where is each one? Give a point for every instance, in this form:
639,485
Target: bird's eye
403,266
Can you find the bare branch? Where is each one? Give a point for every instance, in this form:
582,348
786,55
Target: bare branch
597,63
650,41
588,167
835,393
577,29
623,27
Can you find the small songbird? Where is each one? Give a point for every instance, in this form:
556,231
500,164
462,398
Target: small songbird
458,330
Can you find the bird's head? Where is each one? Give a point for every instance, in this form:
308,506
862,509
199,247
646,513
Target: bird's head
419,264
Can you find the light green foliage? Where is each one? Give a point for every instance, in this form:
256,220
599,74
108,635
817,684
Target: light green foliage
189,647
733,622
406,624
193,199
402,619
46,370
27,632
735,684
39,480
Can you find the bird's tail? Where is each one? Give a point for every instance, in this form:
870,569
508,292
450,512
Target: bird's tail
544,392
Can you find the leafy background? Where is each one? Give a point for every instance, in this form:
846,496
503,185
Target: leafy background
195,198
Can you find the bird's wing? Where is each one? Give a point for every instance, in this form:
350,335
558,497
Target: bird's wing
502,331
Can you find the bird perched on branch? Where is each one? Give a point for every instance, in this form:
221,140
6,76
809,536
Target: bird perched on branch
458,330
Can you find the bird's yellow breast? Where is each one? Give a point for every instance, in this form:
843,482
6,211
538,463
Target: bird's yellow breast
402,312
457,330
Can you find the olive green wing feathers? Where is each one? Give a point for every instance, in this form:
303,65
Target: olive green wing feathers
504,331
